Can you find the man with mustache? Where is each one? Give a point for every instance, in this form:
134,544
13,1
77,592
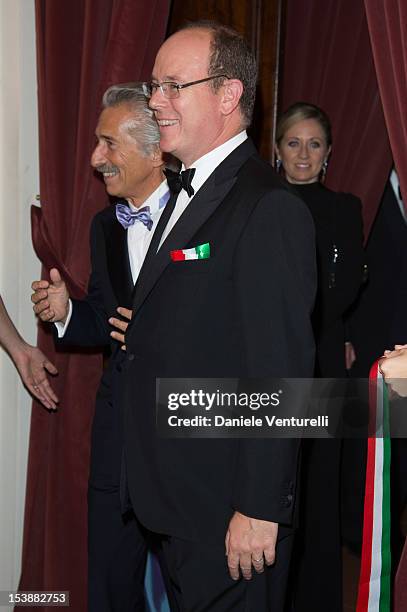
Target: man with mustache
128,156
226,290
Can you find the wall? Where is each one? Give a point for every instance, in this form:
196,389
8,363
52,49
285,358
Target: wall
18,264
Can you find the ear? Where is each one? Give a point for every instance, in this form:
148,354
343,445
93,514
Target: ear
157,157
276,151
232,92
328,153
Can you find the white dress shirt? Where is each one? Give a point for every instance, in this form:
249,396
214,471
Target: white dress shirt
138,235
138,240
204,166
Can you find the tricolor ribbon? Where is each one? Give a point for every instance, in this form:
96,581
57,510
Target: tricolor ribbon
374,580
202,251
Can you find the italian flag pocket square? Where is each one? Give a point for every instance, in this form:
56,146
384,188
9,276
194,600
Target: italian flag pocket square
203,251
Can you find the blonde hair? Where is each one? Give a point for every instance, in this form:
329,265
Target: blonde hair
299,112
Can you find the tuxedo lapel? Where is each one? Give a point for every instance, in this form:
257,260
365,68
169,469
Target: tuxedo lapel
118,262
204,203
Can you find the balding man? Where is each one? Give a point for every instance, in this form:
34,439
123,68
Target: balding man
237,304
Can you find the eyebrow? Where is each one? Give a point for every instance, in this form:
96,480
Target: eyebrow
310,138
105,137
171,79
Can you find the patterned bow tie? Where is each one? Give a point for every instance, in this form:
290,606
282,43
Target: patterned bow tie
177,181
127,217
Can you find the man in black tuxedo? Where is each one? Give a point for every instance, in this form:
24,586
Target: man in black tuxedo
243,311
128,156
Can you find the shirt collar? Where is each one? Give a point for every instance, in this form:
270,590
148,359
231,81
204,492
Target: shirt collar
156,201
205,165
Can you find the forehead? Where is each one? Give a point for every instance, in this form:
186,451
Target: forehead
305,128
183,55
111,119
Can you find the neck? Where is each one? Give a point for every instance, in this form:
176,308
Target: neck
147,188
230,130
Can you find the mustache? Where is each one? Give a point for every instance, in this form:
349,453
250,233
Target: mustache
107,168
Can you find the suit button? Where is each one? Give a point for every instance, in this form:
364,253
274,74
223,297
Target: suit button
131,356
286,501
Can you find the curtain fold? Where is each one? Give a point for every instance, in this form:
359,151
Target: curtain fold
328,62
387,22
83,46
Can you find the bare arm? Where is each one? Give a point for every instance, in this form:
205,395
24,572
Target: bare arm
30,362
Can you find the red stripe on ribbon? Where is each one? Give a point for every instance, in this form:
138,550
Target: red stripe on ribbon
366,563
177,255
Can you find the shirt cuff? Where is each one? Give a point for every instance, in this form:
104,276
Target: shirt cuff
62,327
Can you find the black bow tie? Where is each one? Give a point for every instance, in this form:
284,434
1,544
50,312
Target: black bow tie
177,181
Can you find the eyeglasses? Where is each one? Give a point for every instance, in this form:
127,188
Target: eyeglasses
171,90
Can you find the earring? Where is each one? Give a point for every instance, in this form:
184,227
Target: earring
278,164
324,169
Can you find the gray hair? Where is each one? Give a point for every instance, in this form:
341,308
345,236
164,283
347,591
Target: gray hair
143,127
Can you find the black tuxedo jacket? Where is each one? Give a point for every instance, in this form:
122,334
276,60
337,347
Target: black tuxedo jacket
110,286
244,312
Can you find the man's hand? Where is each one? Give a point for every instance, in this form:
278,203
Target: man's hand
121,325
51,299
250,542
33,366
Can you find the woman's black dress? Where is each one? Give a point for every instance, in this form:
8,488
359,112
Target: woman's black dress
317,558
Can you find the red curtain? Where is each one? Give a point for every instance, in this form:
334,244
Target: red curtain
328,61
83,46
387,21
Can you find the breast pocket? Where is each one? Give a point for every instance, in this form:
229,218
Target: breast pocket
191,267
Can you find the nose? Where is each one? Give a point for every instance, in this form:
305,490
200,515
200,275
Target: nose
157,99
303,153
98,156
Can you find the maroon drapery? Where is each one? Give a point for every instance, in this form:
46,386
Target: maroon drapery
387,21
328,61
83,46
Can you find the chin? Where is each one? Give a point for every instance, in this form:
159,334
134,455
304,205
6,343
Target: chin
304,179
113,192
166,146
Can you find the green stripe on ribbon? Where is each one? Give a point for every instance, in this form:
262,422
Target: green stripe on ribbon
203,251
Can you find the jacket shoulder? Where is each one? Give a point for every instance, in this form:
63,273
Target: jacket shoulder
105,215
343,198
263,173
267,187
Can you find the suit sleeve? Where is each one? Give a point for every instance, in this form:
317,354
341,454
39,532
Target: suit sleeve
275,283
88,325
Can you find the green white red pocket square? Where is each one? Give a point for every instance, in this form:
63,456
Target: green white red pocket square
202,251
